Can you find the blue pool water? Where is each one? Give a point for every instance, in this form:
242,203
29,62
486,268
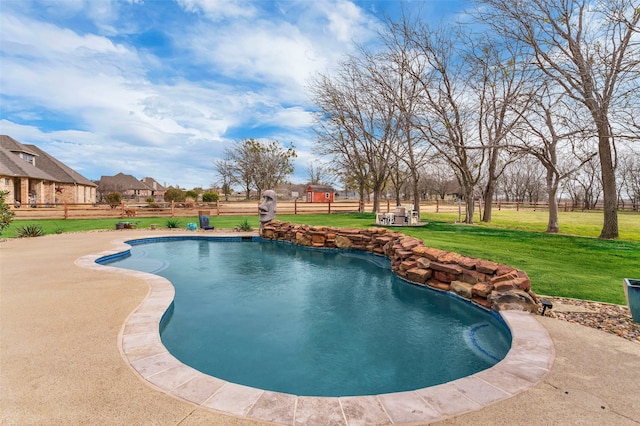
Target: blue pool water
308,322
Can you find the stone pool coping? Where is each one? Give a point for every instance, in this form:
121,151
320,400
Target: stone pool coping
529,360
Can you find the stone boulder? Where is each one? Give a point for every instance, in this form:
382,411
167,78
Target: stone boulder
343,242
517,300
462,289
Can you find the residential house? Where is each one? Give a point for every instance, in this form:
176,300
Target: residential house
157,190
130,187
33,177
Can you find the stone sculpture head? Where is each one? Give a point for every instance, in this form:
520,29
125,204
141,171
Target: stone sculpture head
267,209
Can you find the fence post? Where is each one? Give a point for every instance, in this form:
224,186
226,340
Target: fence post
173,206
388,206
295,206
217,207
66,211
499,206
122,209
329,205
517,206
437,206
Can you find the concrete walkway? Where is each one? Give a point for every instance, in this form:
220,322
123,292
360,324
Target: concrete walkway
60,362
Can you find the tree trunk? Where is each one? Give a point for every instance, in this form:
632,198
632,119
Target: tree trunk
376,201
488,201
552,189
416,193
469,204
362,194
610,225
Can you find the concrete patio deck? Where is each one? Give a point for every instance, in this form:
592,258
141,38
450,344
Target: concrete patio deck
60,361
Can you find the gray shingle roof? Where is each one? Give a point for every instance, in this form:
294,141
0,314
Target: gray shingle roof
12,165
46,167
121,182
153,184
13,145
57,169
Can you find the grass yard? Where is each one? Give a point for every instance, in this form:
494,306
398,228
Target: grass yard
576,265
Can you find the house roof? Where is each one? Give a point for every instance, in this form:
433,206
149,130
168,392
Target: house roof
14,146
57,169
12,165
153,184
320,188
122,182
46,167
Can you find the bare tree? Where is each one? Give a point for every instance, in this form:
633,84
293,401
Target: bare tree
259,165
356,127
224,168
319,174
590,49
439,179
240,160
501,84
443,116
630,171
584,186
553,133
399,87
274,164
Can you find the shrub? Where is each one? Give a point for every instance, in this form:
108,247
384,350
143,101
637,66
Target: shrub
192,193
210,197
174,194
244,226
6,215
173,223
29,231
150,200
114,199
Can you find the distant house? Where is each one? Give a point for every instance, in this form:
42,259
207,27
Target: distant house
320,194
131,188
157,190
32,176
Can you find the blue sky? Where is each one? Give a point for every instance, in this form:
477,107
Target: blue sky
161,87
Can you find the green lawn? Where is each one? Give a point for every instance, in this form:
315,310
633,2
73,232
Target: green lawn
577,265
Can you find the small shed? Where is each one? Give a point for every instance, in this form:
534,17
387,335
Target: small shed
320,194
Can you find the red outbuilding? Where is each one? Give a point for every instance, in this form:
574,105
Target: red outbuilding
319,194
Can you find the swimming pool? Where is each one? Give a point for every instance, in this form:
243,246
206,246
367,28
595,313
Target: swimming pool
344,325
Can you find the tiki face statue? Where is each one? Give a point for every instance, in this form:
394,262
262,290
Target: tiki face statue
267,209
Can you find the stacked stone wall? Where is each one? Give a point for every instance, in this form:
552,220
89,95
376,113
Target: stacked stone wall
488,284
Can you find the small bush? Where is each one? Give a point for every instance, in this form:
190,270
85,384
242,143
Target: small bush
6,215
174,194
114,199
150,200
210,197
173,223
244,226
29,231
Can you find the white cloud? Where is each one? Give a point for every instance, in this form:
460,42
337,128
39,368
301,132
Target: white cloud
121,108
347,21
219,9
